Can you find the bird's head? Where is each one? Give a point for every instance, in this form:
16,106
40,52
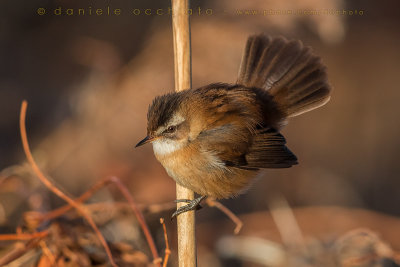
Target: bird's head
168,124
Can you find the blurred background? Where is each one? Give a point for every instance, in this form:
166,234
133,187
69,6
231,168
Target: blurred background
89,79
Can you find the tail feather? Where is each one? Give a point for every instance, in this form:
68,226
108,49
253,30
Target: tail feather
294,76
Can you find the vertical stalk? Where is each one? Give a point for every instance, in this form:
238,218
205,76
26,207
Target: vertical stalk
182,60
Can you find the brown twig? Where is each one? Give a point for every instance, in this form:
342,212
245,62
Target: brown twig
286,223
140,218
235,219
182,59
20,236
152,208
53,188
19,251
100,184
123,207
47,253
62,210
167,250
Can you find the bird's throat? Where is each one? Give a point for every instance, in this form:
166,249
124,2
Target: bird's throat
166,146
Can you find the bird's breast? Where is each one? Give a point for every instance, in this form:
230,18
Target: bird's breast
203,172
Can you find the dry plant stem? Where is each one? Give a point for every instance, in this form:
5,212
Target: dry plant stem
123,207
47,252
239,224
19,251
53,188
62,210
360,261
140,218
167,250
182,60
153,208
286,223
128,197
8,237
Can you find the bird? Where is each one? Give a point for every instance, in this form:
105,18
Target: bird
215,139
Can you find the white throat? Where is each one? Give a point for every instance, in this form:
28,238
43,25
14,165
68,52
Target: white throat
166,146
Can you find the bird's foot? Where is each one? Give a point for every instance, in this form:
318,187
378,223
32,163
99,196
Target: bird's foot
193,204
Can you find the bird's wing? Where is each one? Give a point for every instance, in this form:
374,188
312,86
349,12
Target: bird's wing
234,132
228,142
268,150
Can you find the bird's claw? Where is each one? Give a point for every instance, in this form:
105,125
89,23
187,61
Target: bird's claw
192,205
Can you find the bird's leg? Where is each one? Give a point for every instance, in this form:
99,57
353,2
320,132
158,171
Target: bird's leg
192,205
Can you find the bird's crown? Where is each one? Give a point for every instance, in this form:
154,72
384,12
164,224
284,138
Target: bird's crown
162,110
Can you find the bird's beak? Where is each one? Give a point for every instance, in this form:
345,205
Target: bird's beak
147,139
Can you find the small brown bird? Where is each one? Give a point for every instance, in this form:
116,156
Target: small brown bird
214,139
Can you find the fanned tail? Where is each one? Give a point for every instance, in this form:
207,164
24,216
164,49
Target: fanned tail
290,72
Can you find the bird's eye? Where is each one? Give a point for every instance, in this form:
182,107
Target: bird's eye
171,129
